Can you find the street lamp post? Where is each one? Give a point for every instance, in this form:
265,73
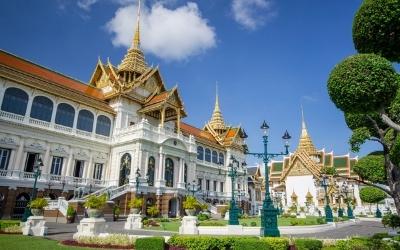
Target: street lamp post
328,210
192,187
346,191
269,220
234,172
36,173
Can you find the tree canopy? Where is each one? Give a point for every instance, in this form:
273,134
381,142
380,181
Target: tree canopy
376,28
371,168
363,83
372,195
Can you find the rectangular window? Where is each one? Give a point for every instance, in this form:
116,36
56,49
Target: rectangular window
56,165
215,186
31,159
4,158
98,169
78,170
200,183
221,186
208,185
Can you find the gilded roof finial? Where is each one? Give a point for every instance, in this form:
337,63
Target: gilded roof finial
305,142
217,121
134,60
136,37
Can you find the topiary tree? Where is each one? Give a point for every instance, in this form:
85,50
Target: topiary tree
366,88
372,195
376,28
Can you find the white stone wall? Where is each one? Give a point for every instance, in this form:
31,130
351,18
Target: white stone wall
300,185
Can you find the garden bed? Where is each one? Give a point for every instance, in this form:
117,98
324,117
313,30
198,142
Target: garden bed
108,246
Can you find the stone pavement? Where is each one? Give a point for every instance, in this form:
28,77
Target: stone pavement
362,228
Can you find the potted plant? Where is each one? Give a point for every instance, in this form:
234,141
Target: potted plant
95,204
37,206
152,211
190,205
135,205
204,207
71,214
116,212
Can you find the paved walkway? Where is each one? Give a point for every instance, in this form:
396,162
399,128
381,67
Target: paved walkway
362,228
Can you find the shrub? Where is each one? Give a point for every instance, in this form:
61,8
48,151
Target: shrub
362,244
381,236
253,224
13,229
207,242
308,244
38,203
249,244
190,203
135,203
321,220
294,222
391,220
276,243
165,220
96,202
70,211
202,217
8,223
153,243
111,239
152,211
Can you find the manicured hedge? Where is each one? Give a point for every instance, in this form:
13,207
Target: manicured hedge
8,223
308,244
150,243
228,242
359,243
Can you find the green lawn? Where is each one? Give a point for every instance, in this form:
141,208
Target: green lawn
174,225
21,242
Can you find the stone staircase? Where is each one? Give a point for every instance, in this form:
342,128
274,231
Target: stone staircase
213,209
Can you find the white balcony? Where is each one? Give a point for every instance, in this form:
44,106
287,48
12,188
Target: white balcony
53,127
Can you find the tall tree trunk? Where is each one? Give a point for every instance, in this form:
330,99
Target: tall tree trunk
393,178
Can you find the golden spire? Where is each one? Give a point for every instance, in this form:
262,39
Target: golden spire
134,61
136,37
305,142
217,121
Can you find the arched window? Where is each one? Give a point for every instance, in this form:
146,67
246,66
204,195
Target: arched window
169,172
65,115
103,125
42,108
215,157
200,153
85,120
150,171
15,101
208,155
221,159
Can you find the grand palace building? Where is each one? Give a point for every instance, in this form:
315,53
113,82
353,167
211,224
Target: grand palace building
121,133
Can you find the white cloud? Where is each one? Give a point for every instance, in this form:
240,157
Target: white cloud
86,4
170,34
252,14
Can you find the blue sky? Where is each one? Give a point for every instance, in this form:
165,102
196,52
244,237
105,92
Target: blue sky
269,57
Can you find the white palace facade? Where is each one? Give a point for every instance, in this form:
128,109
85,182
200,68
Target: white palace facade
121,133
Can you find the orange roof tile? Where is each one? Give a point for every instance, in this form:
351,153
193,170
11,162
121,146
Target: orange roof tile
158,98
198,133
28,67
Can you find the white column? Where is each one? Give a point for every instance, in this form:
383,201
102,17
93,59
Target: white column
46,160
180,183
160,172
2,90
94,125
89,168
29,106
76,117
146,164
53,115
64,167
69,164
19,155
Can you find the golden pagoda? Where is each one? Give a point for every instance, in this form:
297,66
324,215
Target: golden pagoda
217,121
305,142
133,64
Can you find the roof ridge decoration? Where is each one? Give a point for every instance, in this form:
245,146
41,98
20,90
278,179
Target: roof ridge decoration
305,142
308,164
134,60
